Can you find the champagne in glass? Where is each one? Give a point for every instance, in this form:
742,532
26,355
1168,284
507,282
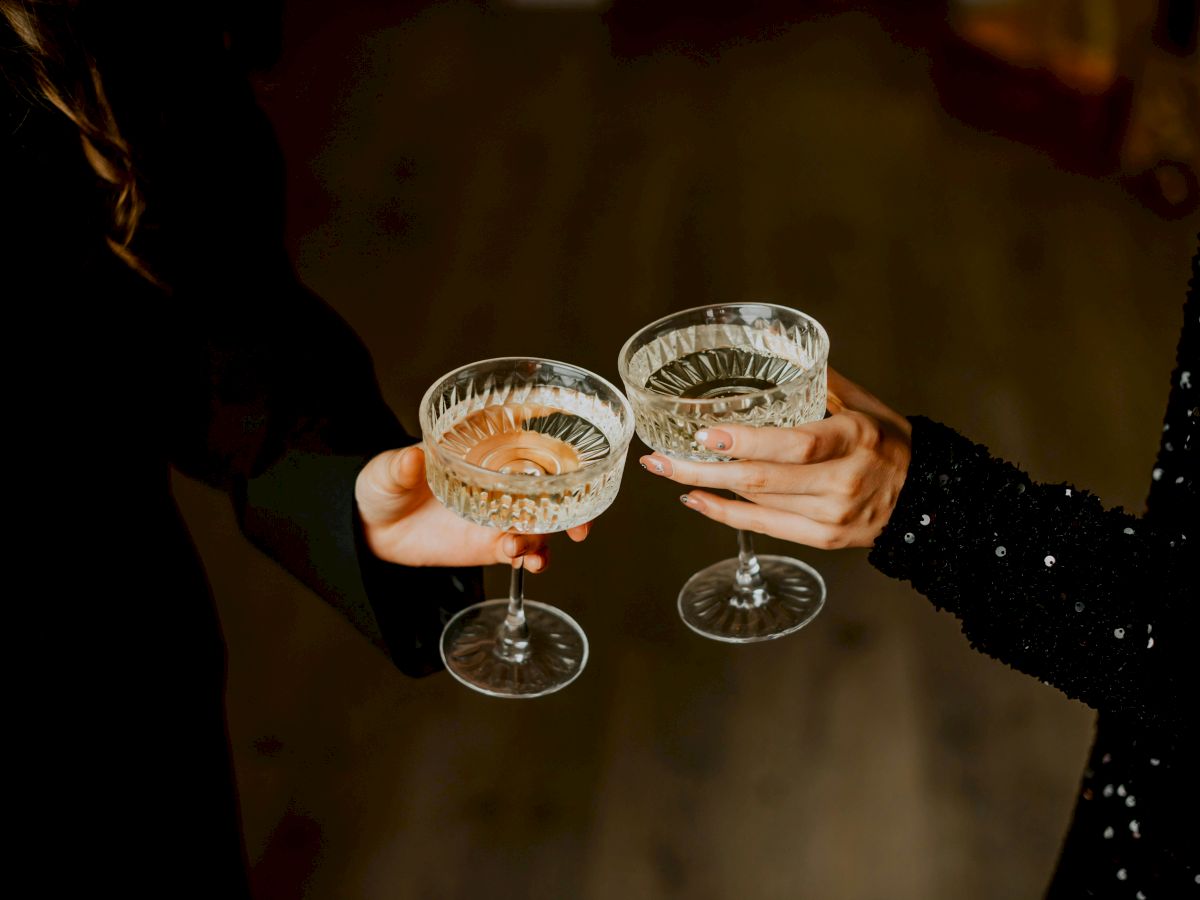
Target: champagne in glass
746,364
532,446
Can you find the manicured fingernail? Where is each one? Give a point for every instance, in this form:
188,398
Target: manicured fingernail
691,502
656,464
714,438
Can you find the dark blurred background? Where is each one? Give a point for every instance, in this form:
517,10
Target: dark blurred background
990,206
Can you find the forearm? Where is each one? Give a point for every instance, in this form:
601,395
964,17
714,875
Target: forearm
1042,576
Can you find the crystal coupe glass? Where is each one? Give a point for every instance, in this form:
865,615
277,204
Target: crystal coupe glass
525,445
747,364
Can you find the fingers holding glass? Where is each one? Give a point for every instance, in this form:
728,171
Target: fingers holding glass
805,444
788,524
703,382
527,446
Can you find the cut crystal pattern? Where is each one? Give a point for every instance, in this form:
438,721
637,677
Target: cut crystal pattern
564,477
759,374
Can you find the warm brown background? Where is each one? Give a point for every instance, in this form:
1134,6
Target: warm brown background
470,181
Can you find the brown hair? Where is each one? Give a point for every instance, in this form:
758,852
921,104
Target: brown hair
62,73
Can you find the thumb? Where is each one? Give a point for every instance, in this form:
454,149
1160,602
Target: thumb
389,483
403,470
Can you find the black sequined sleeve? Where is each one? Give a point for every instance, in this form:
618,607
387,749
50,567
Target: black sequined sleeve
1095,601
1043,577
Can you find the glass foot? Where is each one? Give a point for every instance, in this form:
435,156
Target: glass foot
710,605
557,650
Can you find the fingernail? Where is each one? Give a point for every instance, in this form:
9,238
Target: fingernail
691,502
656,464
714,438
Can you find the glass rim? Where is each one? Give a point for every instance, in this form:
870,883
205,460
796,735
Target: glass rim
519,481
704,403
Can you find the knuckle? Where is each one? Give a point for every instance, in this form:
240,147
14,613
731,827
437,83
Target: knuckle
752,480
857,424
851,483
804,446
843,514
872,435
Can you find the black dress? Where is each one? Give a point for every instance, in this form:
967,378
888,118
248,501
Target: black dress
236,375
1099,603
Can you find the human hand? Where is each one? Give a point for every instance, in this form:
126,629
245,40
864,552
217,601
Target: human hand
404,523
827,484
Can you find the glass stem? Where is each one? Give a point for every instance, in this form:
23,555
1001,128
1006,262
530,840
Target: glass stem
512,643
748,585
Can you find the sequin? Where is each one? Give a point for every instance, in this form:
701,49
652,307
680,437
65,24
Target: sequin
1049,561
1131,801
1122,874
1108,832
1153,761
1121,790
1156,474
925,520
1149,643
1021,612
1139,896
909,537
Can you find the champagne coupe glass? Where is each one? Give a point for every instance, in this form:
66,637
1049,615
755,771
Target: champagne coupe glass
738,363
533,446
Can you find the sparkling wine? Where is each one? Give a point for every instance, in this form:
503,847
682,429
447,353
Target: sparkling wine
538,449
756,364
725,372
526,440
762,388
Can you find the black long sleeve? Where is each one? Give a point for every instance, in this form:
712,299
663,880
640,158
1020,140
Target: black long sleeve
232,371
226,369
280,408
1097,602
